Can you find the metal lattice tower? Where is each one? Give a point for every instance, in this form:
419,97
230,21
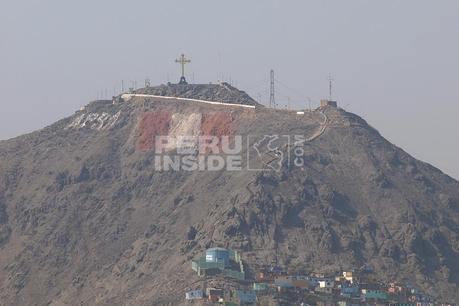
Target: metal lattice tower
272,100
330,87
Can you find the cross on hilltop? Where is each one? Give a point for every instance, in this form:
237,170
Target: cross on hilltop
183,61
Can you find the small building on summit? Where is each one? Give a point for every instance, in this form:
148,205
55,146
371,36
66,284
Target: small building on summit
326,102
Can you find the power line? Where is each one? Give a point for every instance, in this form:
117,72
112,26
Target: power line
299,93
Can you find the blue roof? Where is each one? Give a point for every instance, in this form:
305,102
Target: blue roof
246,296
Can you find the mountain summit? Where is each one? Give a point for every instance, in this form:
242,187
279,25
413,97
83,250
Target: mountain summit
88,217
222,92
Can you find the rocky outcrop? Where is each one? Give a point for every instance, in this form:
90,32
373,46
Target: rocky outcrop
223,92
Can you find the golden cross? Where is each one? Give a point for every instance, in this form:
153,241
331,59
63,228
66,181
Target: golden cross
183,61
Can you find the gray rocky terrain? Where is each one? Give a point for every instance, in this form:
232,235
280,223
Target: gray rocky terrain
86,219
222,92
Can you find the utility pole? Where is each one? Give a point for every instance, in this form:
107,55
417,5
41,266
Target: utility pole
272,100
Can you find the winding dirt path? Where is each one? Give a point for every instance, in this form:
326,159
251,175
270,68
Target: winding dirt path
320,132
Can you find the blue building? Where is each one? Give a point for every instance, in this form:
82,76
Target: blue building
245,297
349,290
219,255
194,295
219,260
375,294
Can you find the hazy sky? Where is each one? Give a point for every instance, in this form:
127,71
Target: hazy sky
395,63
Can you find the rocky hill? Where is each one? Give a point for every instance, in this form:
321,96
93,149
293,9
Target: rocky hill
86,217
222,92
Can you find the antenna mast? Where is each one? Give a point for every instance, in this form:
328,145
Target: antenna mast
272,100
330,87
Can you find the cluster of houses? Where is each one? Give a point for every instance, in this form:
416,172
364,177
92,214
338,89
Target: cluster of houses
223,297
345,289
348,288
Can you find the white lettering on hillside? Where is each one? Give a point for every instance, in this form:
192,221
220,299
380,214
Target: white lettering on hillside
94,121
